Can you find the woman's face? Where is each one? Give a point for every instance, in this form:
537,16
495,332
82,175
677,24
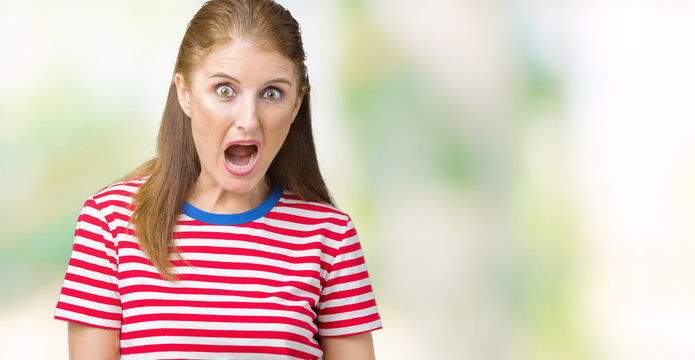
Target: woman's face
242,100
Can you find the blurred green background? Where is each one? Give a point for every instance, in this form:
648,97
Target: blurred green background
520,172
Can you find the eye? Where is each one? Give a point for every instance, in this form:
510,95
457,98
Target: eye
225,91
272,94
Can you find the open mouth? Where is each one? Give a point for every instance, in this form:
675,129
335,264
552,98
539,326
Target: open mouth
240,158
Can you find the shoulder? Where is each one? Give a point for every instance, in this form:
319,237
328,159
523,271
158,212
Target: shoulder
309,218
292,204
117,194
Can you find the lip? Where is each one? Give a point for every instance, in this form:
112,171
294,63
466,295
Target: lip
247,169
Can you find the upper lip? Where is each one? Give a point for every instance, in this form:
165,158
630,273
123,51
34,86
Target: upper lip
244,142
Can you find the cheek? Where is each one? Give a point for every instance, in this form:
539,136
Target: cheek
280,117
206,125
277,126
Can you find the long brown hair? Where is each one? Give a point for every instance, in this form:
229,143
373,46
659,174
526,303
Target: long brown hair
174,170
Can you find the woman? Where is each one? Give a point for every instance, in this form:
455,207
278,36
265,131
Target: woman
226,245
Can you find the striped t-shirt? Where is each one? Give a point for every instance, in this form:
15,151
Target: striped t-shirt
263,284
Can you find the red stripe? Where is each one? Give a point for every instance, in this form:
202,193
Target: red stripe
117,189
99,253
304,220
245,280
349,322
254,239
94,237
347,249
294,233
217,318
229,334
89,311
347,308
266,227
219,304
347,278
228,250
143,349
91,282
347,264
124,230
209,264
91,297
89,219
92,267
344,294
112,192
307,206
115,203
110,218
350,233
210,291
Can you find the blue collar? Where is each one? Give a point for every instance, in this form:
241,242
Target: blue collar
234,219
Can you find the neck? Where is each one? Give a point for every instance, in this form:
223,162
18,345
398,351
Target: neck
213,198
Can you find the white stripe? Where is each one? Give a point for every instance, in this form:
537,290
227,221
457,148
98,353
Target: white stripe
250,245
310,214
89,304
249,259
96,229
350,256
69,284
304,227
145,295
329,209
91,259
358,269
221,311
346,301
214,325
346,286
111,196
269,274
219,286
258,233
349,315
123,251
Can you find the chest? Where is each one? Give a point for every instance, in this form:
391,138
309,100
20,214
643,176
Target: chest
235,283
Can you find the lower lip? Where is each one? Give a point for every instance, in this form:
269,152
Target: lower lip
241,171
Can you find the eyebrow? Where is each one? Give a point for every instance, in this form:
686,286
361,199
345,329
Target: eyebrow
233,79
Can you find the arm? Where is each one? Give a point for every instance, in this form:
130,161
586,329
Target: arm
93,343
355,347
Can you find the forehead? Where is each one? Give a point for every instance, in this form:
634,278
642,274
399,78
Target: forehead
244,59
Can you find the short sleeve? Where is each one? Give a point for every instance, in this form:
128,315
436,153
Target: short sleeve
347,305
90,291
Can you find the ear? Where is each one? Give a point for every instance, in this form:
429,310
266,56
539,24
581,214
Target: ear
298,103
184,94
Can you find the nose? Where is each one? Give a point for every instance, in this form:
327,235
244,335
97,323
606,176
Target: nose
247,119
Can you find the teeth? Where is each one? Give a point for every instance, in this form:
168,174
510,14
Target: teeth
251,158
